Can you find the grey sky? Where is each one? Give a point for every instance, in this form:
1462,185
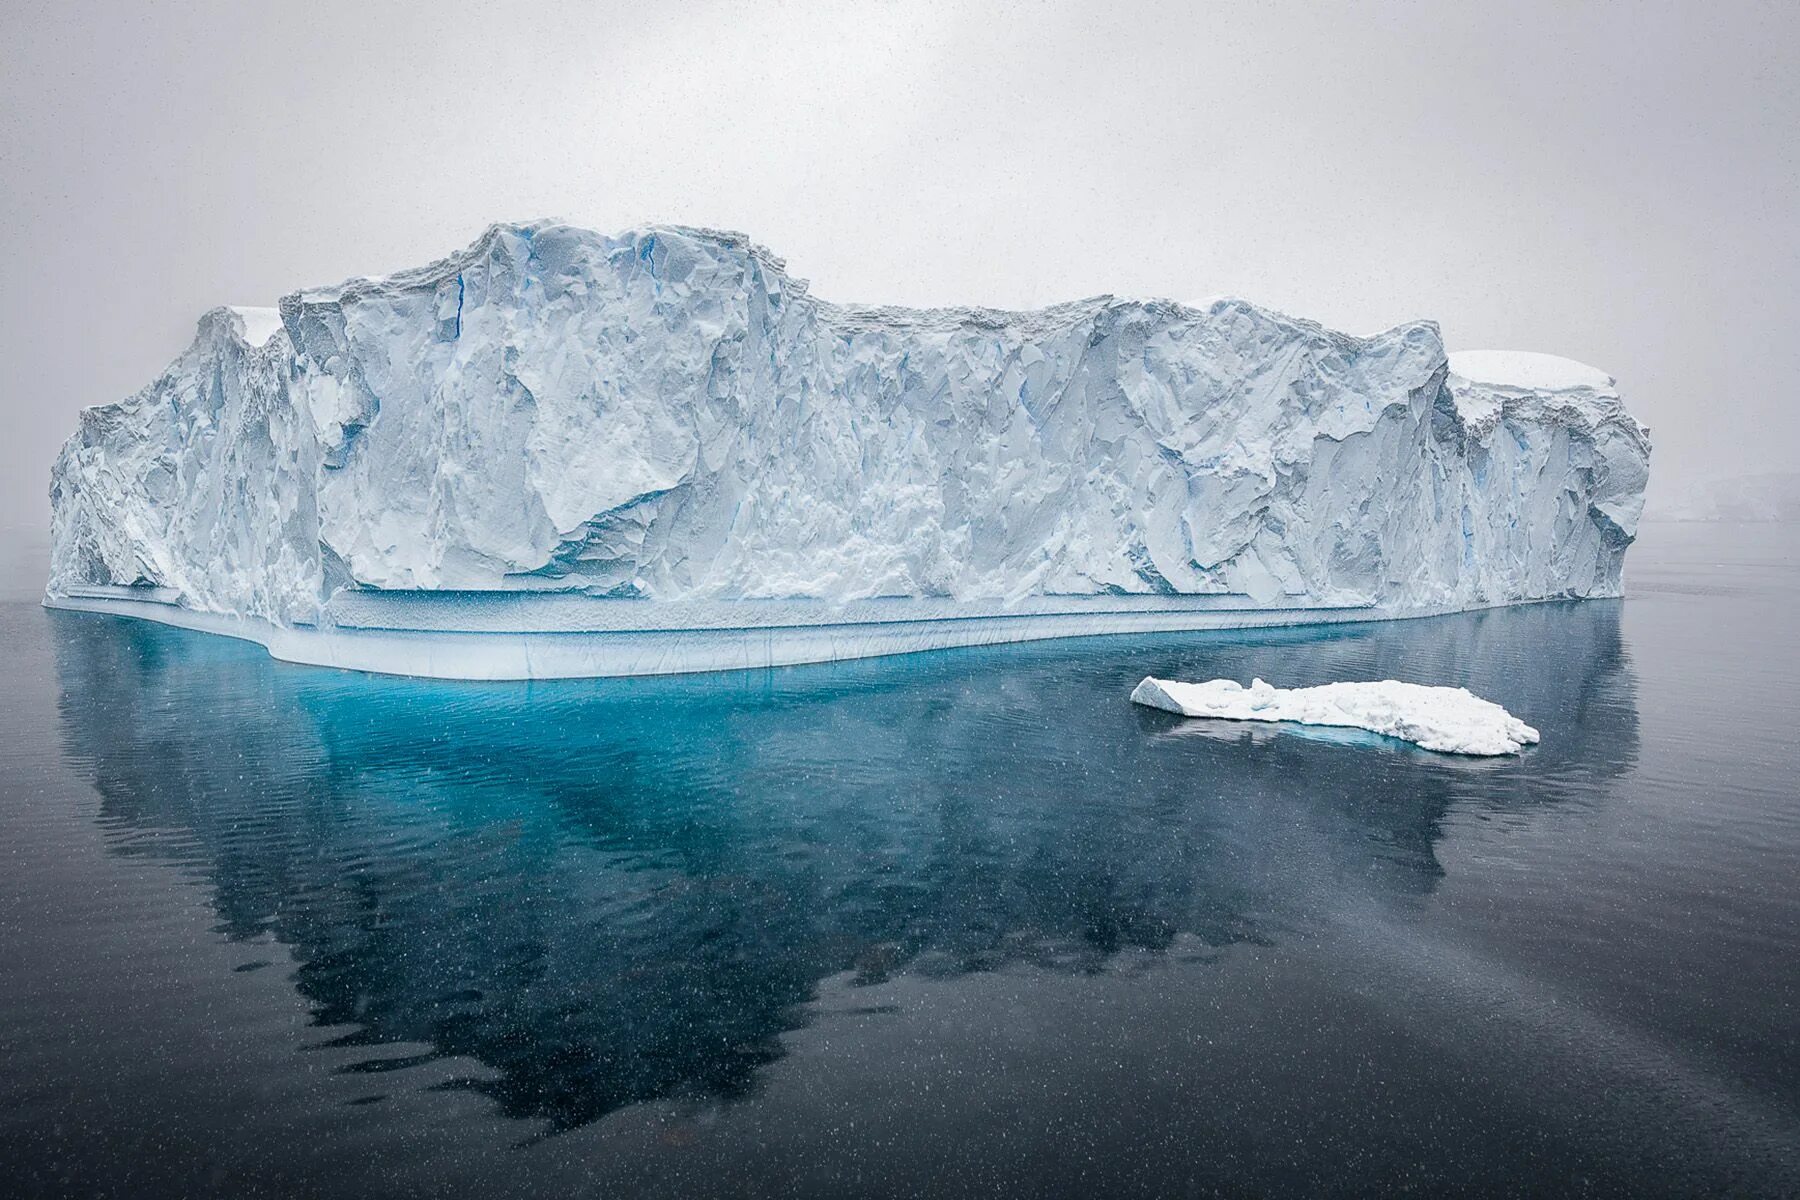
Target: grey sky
1615,183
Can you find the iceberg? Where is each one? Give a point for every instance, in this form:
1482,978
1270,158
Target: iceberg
564,453
1446,719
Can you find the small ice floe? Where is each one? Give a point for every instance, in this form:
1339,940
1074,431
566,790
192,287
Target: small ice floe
1449,720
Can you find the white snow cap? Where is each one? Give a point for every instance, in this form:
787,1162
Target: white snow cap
1524,369
1446,719
260,324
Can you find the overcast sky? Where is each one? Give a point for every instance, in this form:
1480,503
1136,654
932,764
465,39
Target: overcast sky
1615,183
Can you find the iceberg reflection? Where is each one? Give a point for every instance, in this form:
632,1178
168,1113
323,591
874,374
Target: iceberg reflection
611,891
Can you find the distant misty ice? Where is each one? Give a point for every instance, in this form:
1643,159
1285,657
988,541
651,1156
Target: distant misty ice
1758,496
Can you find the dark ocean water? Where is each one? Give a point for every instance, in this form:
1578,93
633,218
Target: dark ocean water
958,922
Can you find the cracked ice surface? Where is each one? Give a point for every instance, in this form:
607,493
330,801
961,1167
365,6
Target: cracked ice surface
1449,720
668,415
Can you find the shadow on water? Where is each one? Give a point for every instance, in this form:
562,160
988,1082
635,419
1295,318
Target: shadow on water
612,891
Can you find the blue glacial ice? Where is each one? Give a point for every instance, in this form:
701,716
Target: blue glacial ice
562,453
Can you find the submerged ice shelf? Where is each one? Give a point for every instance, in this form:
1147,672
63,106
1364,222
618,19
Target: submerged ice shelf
1445,719
561,453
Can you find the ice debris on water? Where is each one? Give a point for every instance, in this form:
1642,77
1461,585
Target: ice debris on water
1451,720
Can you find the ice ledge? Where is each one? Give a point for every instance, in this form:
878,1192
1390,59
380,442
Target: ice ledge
501,653
1528,371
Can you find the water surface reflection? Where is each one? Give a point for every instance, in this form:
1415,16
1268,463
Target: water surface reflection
614,891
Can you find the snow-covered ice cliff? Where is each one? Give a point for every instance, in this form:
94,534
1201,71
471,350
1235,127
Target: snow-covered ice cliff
665,425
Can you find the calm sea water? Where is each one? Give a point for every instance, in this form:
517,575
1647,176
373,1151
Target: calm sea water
960,922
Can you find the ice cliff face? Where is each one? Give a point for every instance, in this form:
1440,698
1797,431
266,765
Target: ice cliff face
667,414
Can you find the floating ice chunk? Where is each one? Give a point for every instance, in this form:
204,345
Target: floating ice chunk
1450,720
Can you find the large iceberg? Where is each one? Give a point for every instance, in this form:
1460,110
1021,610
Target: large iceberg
562,453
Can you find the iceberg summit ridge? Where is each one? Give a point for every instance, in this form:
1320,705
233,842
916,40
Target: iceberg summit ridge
560,453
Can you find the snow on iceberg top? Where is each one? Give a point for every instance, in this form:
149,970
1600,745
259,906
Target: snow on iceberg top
260,324
1487,385
1528,371
1445,719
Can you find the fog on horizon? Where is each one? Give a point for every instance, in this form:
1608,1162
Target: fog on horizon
1617,184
